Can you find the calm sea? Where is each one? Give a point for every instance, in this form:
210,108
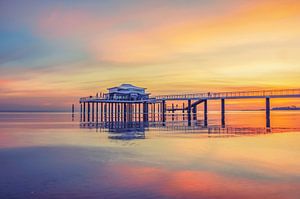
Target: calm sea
52,155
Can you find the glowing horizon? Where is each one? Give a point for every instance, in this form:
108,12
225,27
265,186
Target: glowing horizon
52,53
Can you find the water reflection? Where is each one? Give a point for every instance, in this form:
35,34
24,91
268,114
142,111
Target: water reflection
169,183
137,129
47,156
135,126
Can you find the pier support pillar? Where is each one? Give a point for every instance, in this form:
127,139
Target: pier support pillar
154,112
102,112
84,112
73,110
93,112
111,111
173,111
194,109
205,112
119,112
97,111
105,112
223,112
145,105
80,112
108,111
139,111
116,112
268,112
135,111
125,112
130,112
89,110
189,111
163,110
183,107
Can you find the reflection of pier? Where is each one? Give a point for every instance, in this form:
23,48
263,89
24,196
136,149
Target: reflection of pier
130,103
137,130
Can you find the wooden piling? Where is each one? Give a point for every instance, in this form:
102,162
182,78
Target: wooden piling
84,111
93,111
223,112
268,112
205,112
97,111
89,109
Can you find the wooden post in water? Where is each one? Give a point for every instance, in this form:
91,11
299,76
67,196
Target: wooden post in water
173,110
101,112
163,110
111,111
105,112
223,112
89,109
268,112
108,111
121,111
145,111
80,112
153,114
205,112
97,111
125,112
189,112
73,110
194,112
93,112
84,112
116,112
183,107
139,112
129,112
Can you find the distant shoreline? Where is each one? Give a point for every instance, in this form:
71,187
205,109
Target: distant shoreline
70,112
273,110
36,111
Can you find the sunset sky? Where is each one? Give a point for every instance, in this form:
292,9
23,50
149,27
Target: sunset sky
53,52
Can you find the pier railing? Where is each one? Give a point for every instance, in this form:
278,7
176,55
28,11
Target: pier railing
210,95
235,94
93,98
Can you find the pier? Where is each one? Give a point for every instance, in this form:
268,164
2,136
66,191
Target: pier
131,103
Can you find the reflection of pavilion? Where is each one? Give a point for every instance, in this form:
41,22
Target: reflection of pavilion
126,130
127,136
121,130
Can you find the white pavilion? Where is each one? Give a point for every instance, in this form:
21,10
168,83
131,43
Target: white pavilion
127,92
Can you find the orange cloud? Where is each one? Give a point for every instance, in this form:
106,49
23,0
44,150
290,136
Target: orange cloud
202,33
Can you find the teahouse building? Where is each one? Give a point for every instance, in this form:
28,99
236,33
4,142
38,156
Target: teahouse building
127,92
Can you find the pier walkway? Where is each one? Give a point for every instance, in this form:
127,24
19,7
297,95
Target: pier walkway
284,93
